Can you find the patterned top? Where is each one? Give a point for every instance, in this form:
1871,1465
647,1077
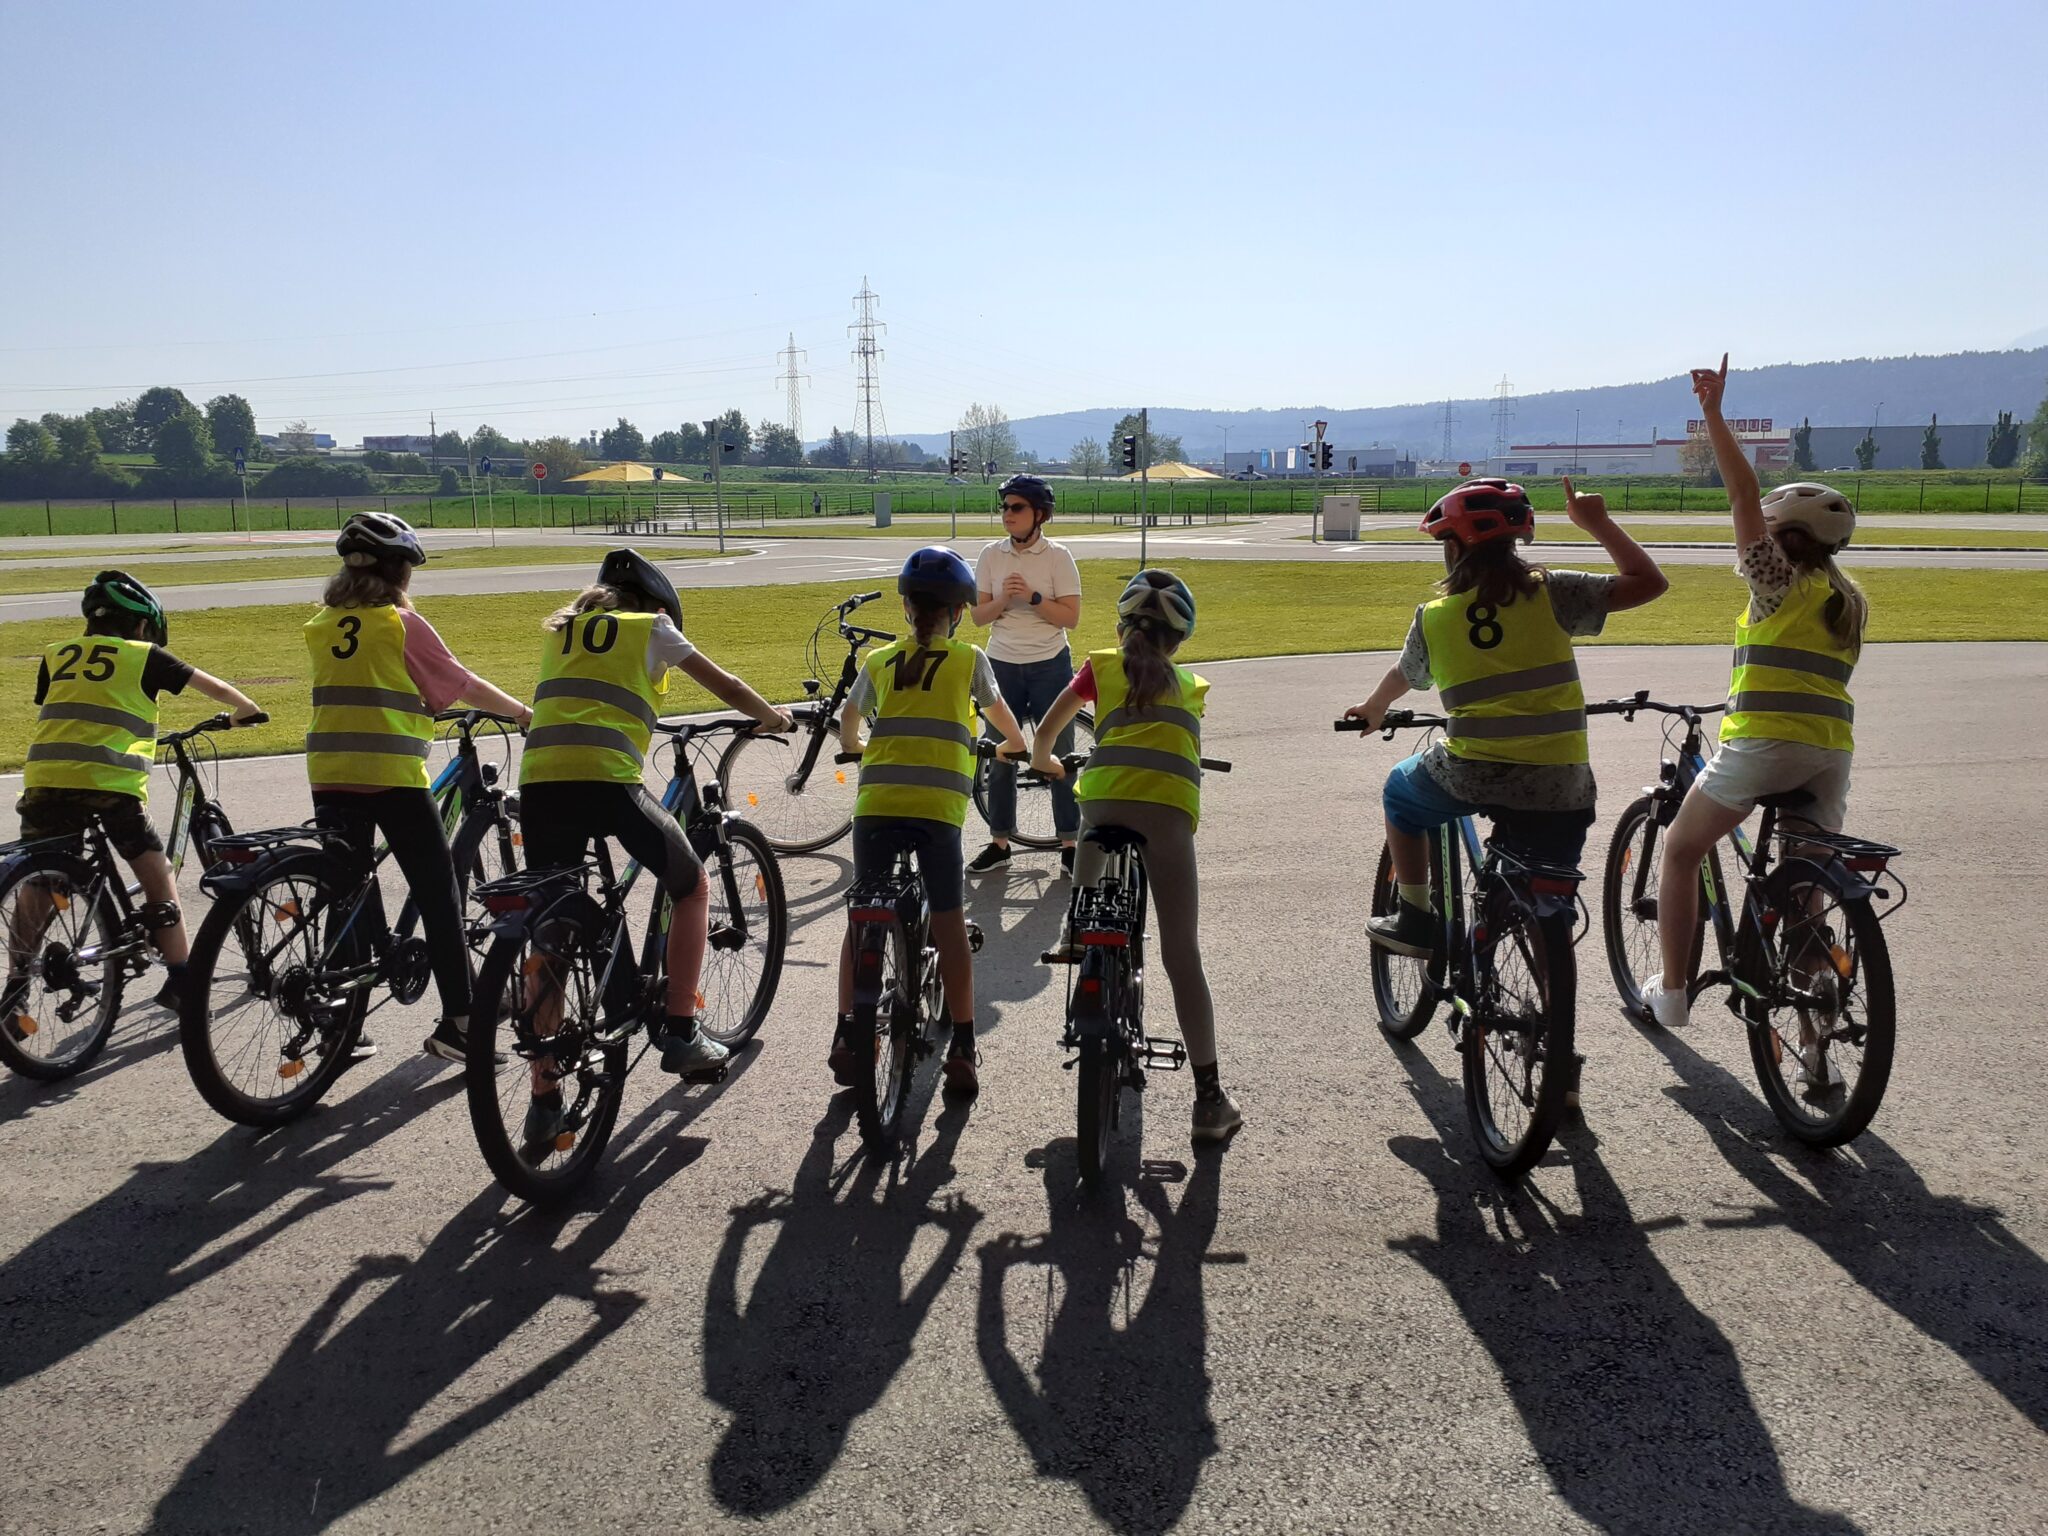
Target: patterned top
1770,576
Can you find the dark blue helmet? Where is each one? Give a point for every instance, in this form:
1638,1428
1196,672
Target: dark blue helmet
937,574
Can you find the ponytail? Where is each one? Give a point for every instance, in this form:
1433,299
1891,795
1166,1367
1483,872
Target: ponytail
1149,672
1848,610
928,616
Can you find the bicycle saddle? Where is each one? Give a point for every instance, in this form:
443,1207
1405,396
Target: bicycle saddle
1114,839
1789,800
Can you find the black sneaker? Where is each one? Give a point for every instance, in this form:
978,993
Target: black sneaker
962,1079
1409,931
994,856
171,994
1067,862
449,1041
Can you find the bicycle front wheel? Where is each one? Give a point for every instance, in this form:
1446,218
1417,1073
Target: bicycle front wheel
1519,1062
885,1038
799,809
1035,827
749,935
1822,1036
1628,906
59,1000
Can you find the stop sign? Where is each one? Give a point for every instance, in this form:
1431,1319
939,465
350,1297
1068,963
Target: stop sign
540,471
1464,469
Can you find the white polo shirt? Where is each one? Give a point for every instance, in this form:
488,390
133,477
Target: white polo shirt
1021,632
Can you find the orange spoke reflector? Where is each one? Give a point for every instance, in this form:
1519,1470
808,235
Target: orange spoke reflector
1777,1050
840,775
700,1002
290,1068
1841,958
760,885
25,1025
565,1141
753,799
518,839
1628,857
60,901
534,965
287,909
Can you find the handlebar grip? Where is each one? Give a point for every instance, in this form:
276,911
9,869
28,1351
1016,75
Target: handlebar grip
1352,723
261,717
847,757
1215,765
869,597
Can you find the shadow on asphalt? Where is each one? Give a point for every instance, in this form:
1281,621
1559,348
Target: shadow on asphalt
1117,1399
831,1317
143,1030
1019,912
335,1422
1949,1268
1632,1398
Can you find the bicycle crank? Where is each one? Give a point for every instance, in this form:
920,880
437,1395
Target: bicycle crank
408,969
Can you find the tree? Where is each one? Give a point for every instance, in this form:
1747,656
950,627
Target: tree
116,427
30,442
778,445
1166,446
2037,444
732,428
1866,451
1696,458
1930,445
488,442
154,407
678,445
836,452
562,457
622,442
78,446
985,437
296,437
451,483
2004,445
449,445
1087,459
184,443
233,425
1802,447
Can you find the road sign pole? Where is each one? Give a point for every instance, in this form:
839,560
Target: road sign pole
1144,483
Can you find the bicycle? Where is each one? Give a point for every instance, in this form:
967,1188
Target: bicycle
40,883
264,1039
1105,1005
1503,961
561,994
806,805
1817,1004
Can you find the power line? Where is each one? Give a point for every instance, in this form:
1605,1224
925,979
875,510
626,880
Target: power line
794,382
867,354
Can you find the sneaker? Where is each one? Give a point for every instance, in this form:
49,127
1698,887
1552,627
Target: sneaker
449,1041
994,856
844,1060
1216,1119
1817,1074
363,1050
544,1115
1667,1007
963,1081
1067,862
1064,950
171,995
1409,930
696,1052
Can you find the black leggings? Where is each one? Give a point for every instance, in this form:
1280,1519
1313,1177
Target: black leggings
559,819
411,824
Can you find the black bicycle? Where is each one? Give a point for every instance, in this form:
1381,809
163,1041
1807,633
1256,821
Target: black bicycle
269,1022
1105,1008
899,1002
73,921
560,995
1806,966
1503,960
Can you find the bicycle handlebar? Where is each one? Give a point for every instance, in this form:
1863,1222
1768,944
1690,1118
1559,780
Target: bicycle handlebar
220,722
678,730
1074,762
1395,720
1641,699
857,599
470,719
984,749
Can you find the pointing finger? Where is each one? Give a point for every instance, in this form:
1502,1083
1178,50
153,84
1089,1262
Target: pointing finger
1570,495
1724,367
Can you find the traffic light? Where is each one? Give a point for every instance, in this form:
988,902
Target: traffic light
1130,450
957,464
1325,452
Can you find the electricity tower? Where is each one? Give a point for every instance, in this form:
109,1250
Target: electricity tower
1450,425
794,382
867,354
1503,415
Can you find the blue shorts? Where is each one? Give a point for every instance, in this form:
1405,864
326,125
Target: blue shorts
935,844
1416,803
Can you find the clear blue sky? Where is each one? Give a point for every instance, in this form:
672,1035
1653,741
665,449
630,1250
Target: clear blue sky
545,216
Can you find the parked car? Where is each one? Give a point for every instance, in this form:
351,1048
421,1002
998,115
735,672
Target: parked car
1248,474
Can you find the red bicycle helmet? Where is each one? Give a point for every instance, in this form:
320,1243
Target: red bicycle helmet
1480,511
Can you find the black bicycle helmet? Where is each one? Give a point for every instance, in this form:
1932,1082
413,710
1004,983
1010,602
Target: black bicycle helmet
1033,490
117,595
381,536
935,572
629,569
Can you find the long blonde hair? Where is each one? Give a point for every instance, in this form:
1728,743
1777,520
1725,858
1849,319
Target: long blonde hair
364,581
597,595
1848,610
1148,641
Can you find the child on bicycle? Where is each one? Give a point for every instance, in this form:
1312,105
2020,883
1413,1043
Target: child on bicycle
604,673
1146,775
1788,725
1496,642
380,675
90,752
915,778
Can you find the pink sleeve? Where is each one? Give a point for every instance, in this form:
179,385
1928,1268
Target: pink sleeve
440,678
1084,682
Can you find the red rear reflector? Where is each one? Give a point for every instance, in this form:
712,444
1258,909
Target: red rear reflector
1871,864
1105,938
1091,984
1550,887
872,914
500,905
237,856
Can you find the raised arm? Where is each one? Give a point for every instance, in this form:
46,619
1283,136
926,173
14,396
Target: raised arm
1637,579
1745,497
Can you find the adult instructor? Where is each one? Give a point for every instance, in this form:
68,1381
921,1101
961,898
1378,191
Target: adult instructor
1029,597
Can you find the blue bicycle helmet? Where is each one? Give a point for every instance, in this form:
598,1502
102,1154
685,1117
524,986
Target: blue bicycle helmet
1161,598
937,574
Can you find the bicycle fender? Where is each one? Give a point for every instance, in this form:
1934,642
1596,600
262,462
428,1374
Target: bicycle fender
1828,871
1091,1006
870,944
225,881
75,867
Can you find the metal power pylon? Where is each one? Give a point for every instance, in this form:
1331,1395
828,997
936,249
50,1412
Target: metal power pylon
867,354
794,383
1503,415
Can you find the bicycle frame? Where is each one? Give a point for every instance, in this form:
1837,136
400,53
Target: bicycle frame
819,714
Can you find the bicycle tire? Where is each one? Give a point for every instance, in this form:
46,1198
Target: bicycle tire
1035,837
494,1031
1871,960
885,1045
805,820
1545,944
719,986
200,1023
486,848
81,1048
1096,1085
1404,989
1637,840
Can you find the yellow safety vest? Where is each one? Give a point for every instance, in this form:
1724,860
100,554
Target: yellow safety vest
595,708
1791,678
1152,754
97,728
1507,678
370,726
919,760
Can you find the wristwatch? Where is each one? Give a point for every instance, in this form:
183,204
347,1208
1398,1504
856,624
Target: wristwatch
1037,598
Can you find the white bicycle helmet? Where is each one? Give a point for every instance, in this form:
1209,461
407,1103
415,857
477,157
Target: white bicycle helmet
380,536
1823,512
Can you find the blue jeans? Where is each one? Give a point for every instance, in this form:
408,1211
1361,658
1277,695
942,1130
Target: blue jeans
1416,804
1029,688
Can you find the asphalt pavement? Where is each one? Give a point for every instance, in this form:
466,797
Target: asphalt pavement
1340,1322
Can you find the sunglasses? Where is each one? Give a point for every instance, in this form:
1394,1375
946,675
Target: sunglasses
1018,506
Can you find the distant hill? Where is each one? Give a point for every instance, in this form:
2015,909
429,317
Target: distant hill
1958,386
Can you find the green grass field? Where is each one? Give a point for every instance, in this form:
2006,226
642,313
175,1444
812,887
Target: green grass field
1558,531
1249,608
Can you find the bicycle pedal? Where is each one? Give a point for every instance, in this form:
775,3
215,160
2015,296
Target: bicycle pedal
706,1074
974,938
1168,1055
1059,957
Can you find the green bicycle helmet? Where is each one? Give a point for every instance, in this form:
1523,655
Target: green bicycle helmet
116,595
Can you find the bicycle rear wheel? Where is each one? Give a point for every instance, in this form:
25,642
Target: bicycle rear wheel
1035,827
749,936
1628,906
1519,1064
1403,986
486,848
885,1037
755,775
538,1008
56,1009
1097,1082
1822,1037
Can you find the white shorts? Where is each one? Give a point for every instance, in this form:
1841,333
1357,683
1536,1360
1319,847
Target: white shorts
1744,770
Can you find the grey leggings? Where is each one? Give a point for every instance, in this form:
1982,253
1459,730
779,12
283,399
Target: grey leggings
1176,900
